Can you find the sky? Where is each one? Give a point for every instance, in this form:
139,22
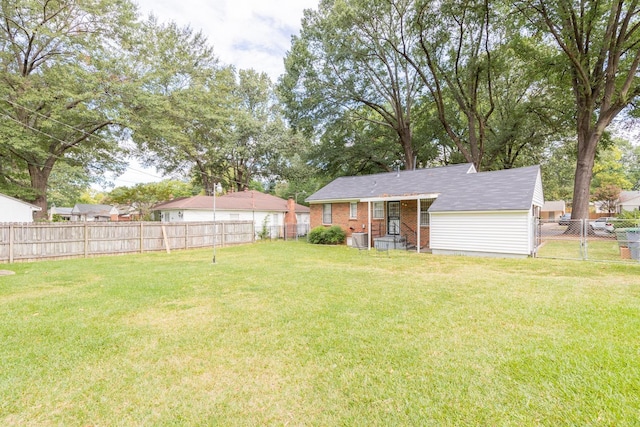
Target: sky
244,33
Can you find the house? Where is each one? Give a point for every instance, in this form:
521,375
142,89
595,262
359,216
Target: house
128,213
64,214
553,209
264,210
447,210
89,213
628,201
14,210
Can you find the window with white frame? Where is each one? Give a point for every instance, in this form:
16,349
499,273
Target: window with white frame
378,210
326,213
353,210
424,211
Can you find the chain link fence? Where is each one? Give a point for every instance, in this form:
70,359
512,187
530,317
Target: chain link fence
284,232
603,239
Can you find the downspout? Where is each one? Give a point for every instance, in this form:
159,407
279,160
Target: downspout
418,242
369,225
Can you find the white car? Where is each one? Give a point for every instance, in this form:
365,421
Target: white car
605,223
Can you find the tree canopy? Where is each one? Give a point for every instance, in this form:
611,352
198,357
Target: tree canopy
62,89
599,44
369,86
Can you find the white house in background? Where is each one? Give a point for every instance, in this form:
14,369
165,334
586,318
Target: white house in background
14,210
63,213
94,213
553,209
261,209
628,201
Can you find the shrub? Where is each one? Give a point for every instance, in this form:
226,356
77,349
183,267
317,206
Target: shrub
628,219
335,235
316,236
327,236
264,233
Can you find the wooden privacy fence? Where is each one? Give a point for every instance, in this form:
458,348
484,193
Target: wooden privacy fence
39,241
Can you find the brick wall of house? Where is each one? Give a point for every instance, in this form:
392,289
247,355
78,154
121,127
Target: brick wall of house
340,215
409,224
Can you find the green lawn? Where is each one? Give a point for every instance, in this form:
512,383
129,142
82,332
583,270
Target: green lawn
295,334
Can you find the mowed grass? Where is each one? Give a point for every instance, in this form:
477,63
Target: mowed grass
295,334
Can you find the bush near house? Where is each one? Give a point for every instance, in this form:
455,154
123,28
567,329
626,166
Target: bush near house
627,219
327,236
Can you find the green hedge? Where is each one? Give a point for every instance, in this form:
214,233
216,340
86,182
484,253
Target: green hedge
627,219
333,235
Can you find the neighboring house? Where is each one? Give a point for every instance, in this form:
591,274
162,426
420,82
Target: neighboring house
14,210
264,210
450,210
628,201
128,213
552,210
90,213
63,213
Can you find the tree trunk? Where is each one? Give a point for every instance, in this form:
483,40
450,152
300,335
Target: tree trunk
39,181
588,138
405,140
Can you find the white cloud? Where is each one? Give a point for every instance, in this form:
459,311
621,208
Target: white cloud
245,33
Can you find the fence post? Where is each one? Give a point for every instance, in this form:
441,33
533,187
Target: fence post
11,239
584,238
165,238
86,239
222,237
186,235
141,237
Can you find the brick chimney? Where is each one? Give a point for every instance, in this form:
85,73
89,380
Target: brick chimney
290,220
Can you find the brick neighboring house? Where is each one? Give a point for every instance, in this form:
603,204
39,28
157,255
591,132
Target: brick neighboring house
448,210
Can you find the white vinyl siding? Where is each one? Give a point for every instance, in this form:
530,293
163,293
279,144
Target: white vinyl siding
491,233
538,196
13,210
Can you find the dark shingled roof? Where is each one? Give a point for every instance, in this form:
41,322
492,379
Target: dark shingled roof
508,189
403,183
458,187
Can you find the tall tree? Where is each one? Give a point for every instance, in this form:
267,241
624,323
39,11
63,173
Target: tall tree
144,196
344,60
183,110
478,73
259,139
558,167
453,56
62,84
195,117
600,44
